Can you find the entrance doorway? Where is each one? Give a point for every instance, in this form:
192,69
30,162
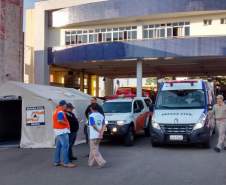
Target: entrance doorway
10,120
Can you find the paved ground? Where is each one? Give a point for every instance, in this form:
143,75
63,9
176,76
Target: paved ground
138,165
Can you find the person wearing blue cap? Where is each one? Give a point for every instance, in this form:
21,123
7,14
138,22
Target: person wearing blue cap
61,128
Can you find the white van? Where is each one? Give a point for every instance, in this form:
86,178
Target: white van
182,113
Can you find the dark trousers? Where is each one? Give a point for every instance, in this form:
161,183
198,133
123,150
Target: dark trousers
86,133
72,138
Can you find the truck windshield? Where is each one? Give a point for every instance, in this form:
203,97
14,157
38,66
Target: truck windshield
117,107
181,99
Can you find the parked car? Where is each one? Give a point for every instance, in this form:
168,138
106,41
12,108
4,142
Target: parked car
126,117
183,113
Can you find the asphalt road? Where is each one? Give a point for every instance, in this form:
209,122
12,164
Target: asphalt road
138,165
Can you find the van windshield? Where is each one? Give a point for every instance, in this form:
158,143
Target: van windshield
117,107
181,99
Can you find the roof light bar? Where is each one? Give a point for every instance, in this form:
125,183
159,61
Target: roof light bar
171,82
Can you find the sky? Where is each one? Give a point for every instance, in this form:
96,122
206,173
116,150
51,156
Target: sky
28,3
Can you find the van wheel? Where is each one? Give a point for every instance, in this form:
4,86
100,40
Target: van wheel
214,131
155,144
129,138
206,144
147,131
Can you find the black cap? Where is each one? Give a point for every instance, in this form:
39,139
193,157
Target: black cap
69,105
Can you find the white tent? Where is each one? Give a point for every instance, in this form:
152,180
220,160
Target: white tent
38,105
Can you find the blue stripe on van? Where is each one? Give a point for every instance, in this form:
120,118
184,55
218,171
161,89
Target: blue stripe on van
204,88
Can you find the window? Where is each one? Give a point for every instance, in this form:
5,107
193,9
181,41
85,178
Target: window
210,98
135,106
79,41
100,35
162,33
125,35
84,39
117,107
109,37
67,38
140,104
176,29
103,37
169,32
134,35
145,34
187,31
73,37
151,34
207,22
91,38
115,36
223,21
121,36
175,32
178,32
177,99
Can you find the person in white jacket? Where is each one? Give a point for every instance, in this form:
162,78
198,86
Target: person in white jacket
219,111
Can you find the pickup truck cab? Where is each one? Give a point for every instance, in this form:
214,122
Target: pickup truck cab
183,113
126,117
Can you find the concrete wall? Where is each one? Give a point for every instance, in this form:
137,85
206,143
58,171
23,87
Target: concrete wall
11,40
29,47
216,29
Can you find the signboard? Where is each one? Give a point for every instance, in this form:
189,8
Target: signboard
35,116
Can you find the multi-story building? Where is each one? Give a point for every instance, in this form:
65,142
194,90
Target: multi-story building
11,40
72,39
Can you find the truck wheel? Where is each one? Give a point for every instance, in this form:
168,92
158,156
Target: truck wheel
147,131
129,138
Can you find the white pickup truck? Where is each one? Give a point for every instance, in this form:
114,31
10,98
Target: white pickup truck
126,117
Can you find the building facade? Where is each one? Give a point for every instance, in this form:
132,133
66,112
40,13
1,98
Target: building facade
11,40
73,42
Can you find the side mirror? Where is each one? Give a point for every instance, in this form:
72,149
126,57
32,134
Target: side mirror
210,107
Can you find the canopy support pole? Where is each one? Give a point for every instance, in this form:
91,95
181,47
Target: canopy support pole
139,77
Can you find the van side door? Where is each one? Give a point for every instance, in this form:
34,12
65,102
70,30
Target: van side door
210,114
139,115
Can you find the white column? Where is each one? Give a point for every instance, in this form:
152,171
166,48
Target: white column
109,86
139,78
139,32
41,68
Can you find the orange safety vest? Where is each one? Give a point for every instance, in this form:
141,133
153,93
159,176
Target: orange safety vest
56,123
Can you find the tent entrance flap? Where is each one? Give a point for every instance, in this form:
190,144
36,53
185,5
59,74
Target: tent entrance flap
10,120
